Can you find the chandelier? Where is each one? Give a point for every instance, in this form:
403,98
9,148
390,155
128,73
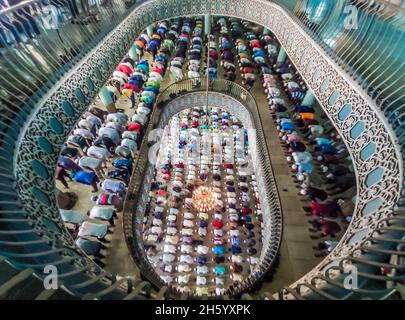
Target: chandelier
203,199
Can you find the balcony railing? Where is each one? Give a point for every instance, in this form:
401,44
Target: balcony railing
33,64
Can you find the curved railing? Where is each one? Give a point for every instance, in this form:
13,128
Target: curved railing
36,240
27,201
134,205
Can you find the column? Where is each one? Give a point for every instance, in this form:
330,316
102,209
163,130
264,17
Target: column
282,55
207,24
309,99
149,30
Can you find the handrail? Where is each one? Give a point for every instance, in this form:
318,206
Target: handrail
131,225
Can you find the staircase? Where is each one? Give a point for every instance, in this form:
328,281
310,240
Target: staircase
25,285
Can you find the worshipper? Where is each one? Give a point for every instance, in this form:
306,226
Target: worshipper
105,142
237,277
99,153
69,152
202,270
250,234
71,216
201,260
168,258
219,270
93,230
327,227
315,194
250,242
86,134
60,174
326,209
219,259
113,186
235,250
217,224
68,164
123,164
93,164
249,226
341,184
218,250
237,268
252,251
169,248
334,170
111,133
89,247
103,213
120,174
106,199
85,177
185,248
78,141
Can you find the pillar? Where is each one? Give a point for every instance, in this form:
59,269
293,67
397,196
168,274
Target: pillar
207,24
282,55
149,30
309,99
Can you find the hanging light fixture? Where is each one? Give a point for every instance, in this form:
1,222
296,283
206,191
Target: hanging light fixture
203,199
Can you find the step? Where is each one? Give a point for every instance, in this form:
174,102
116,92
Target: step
24,285
7,272
46,294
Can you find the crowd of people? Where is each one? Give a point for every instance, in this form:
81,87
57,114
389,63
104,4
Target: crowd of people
203,252
101,149
318,158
